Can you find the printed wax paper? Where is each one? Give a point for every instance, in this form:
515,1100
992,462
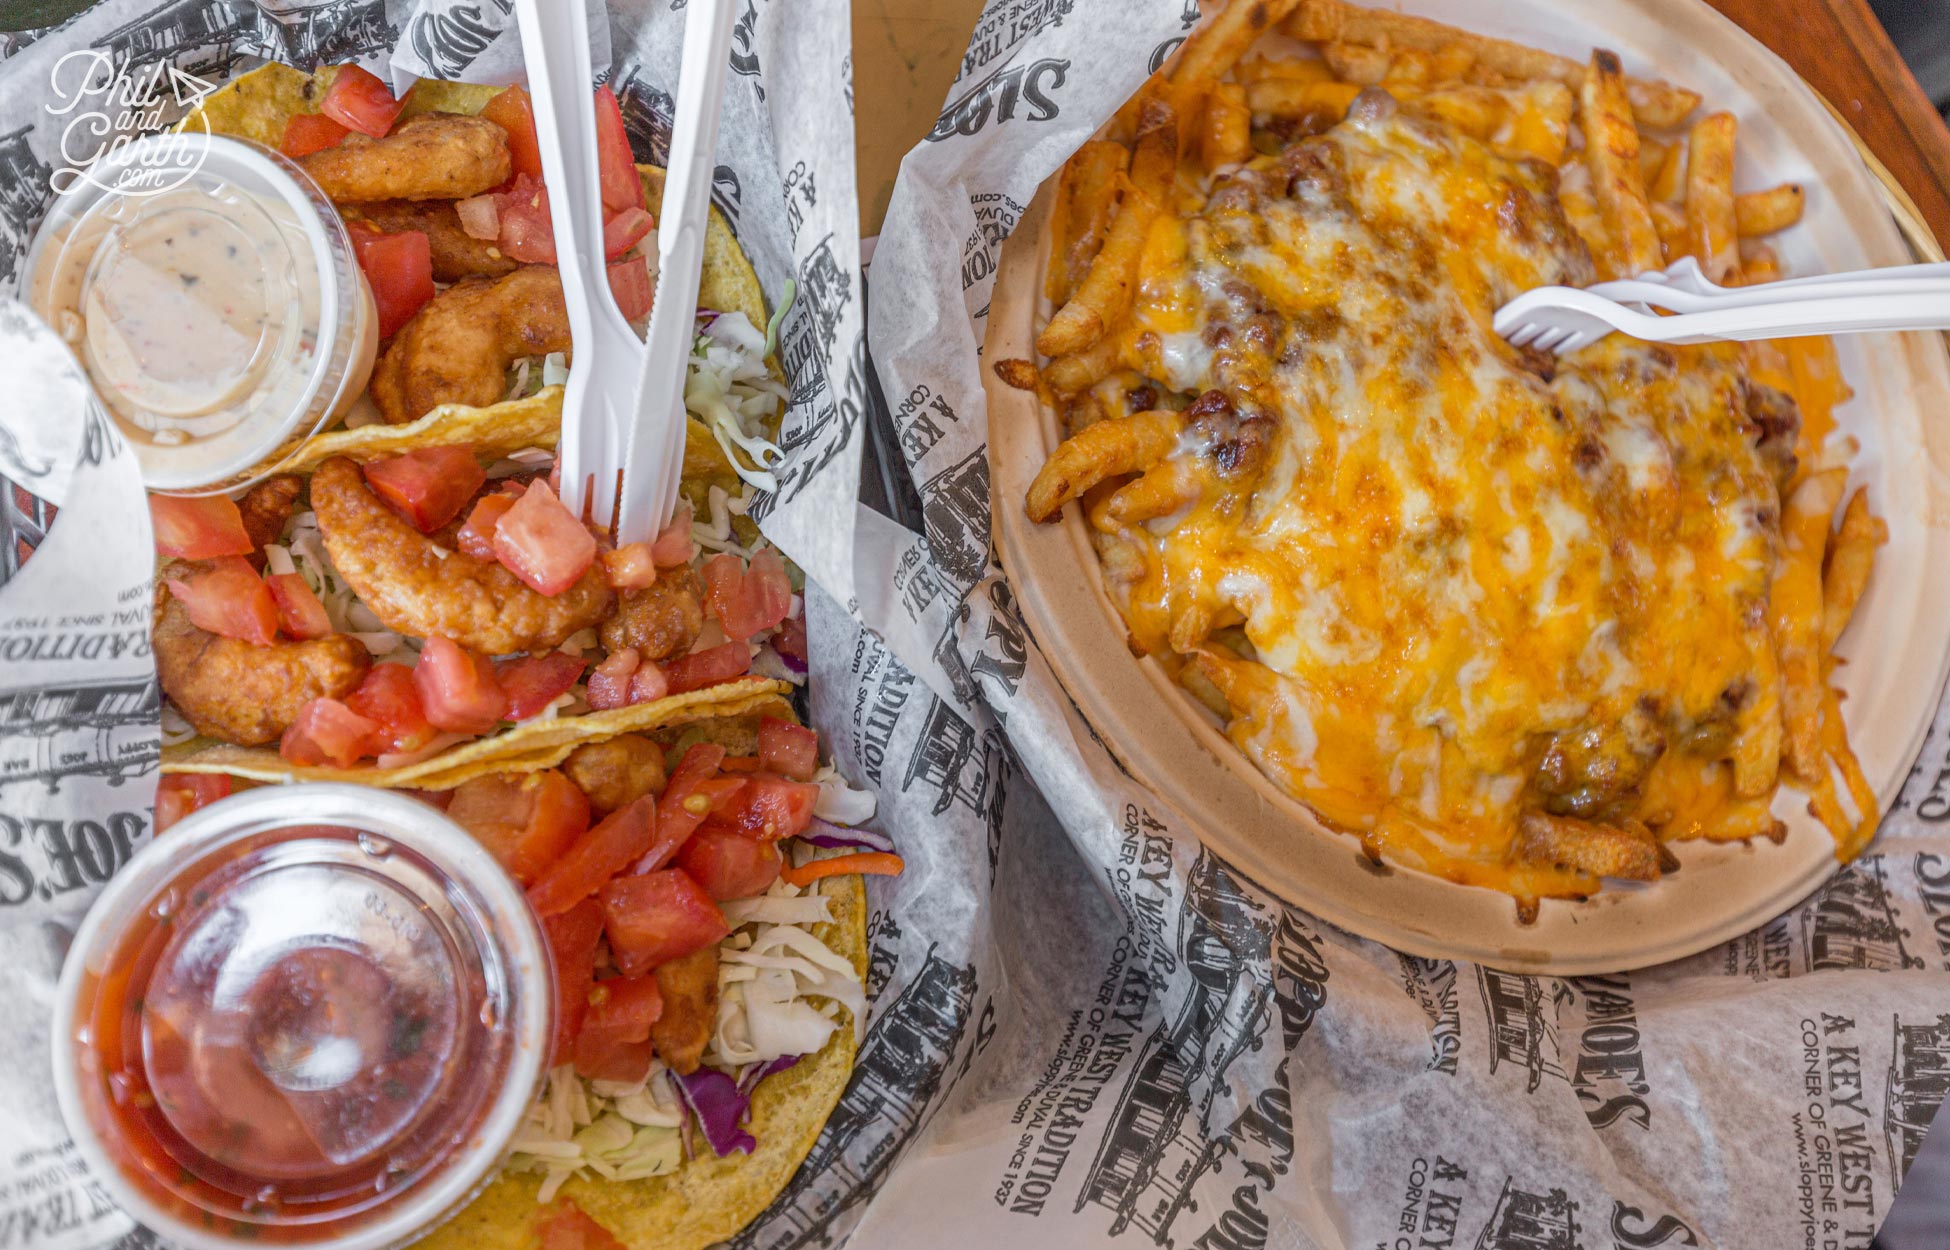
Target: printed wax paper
1085,1031
1147,1049
79,731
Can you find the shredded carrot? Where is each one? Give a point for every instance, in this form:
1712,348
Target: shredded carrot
869,863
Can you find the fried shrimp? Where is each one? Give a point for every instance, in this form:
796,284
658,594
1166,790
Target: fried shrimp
435,156
456,253
417,587
266,508
245,693
661,620
616,771
457,349
690,992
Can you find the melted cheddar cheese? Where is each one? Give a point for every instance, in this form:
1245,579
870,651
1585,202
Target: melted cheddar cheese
1431,582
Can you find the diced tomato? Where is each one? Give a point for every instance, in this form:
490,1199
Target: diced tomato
768,808
179,794
622,185
534,681
787,749
458,689
228,597
199,527
300,614
398,268
630,284
429,485
476,537
328,732
567,1227
622,231
541,542
648,683
526,821
657,917
617,1023
630,567
730,865
747,599
390,698
527,230
609,685
695,790
790,641
359,101
708,668
609,1060
513,112
673,545
480,217
441,799
572,937
305,133
623,837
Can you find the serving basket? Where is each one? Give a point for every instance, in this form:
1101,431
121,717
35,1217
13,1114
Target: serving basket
1896,653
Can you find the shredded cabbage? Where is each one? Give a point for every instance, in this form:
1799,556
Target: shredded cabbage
175,729
734,394
840,802
714,532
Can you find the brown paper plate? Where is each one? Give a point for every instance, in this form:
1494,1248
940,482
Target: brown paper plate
1897,650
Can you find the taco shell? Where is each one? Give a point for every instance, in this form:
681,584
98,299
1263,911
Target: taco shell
256,106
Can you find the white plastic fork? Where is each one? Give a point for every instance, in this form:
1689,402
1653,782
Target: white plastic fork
1565,319
596,402
654,461
1684,287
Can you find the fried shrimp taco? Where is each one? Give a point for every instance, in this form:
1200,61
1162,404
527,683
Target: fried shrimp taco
405,601
708,935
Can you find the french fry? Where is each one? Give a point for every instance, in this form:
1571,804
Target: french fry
1626,850
1669,184
1796,606
1476,111
1757,742
1611,151
1539,122
1357,62
1410,67
1291,68
1709,196
1652,155
1581,210
1670,221
1327,101
1227,136
1105,450
1079,371
1764,212
1214,48
1021,375
1161,491
1104,294
1851,556
1655,104
1758,263
1086,201
1154,154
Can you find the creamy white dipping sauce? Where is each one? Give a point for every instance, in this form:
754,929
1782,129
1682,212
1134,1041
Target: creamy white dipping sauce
200,314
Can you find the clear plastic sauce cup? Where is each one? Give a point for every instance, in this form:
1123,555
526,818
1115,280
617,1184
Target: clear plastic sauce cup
211,293
308,1014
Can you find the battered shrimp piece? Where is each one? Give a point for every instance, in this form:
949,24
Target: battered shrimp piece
420,588
690,992
456,253
457,348
661,620
616,772
241,692
435,156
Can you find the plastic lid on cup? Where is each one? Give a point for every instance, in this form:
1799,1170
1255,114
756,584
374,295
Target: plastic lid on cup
308,1013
